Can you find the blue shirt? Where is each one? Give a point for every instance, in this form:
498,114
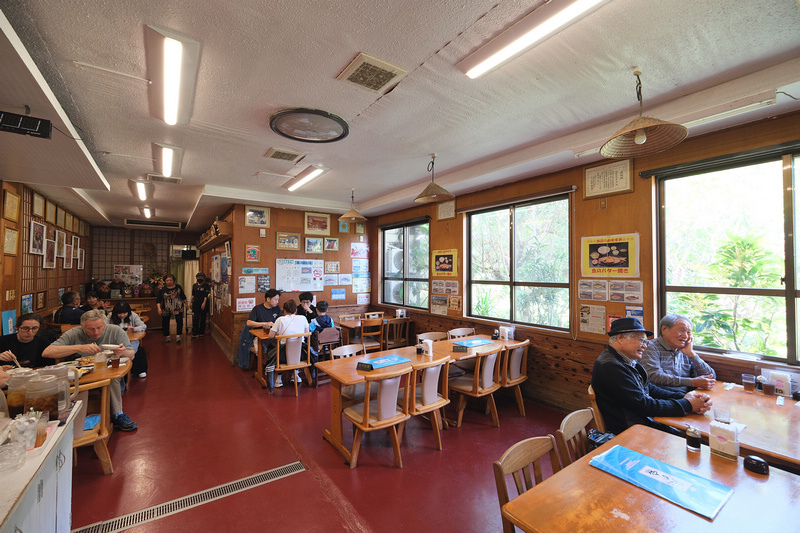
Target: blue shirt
672,369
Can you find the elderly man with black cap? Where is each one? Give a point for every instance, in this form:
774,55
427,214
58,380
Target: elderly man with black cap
200,292
624,394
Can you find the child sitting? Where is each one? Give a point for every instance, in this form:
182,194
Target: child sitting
322,321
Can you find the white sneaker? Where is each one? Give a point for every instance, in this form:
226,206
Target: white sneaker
178,339
143,375
167,339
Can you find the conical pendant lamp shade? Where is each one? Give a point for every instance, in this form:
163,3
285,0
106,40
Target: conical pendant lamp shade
352,215
433,193
643,135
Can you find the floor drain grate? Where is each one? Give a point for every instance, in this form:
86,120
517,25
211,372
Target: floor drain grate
122,523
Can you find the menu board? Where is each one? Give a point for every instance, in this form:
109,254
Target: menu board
299,274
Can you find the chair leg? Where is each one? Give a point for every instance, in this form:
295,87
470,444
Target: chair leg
356,447
462,404
398,460
520,405
493,409
437,435
402,426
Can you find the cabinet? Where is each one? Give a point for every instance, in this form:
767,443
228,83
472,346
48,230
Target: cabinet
37,498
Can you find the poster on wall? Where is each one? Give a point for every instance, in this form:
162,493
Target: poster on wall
299,275
445,263
9,321
363,299
614,256
262,283
593,319
361,282
360,265
330,279
345,279
215,270
247,284
338,294
245,304
439,304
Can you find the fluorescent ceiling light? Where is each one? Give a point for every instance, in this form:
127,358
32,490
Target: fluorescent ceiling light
172,64
535,27
729,113
167,159
141,190
305,176
147,212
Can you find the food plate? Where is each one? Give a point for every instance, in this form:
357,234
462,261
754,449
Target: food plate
124,360
110,346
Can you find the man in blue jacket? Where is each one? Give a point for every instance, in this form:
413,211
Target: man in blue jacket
624,394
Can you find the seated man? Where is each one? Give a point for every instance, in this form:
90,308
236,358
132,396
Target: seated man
87,340
306,308
25,345
670,361
70,312
624,395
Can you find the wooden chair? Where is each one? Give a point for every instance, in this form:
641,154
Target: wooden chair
293,348
483,382
98,435
571,436
598,416
328,339
460,332
354,316
427,380
519,461
374,314
350,393
396,333
348,350
383,412
514,370
372,334
432,335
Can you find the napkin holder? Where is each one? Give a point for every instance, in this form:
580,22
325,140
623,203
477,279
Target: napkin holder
723,439
506,333
783,383
427,346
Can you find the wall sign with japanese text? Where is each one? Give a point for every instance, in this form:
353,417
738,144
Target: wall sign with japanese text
607,179
614,256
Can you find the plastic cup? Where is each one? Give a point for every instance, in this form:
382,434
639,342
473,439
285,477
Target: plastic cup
749,383
115,362
768,387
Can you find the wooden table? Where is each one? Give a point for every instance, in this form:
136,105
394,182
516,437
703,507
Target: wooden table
98,436
772,432
136,335
445,347
343,373
586,499
351,326
260,335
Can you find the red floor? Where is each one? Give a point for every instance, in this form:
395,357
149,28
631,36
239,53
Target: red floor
203,423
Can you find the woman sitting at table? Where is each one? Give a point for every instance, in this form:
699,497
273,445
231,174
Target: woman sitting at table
124,317
288,324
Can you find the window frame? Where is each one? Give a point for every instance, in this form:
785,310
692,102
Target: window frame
405,278
512,284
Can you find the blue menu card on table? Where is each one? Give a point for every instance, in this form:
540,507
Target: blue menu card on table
380,362
698,494
472,343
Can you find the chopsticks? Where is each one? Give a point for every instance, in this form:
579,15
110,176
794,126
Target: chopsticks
17,363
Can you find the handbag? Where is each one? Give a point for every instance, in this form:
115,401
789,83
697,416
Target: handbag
597,438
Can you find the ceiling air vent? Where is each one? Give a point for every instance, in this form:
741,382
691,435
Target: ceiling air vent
153,224
284,155
370,73
159,177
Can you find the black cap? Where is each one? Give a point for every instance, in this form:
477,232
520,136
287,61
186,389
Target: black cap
200,275
627,325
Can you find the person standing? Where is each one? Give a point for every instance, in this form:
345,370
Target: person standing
170,303
200,293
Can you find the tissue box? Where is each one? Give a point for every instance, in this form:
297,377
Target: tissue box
723,439
783,382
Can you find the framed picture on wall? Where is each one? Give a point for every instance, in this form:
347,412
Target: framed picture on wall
41,299
50,212
11,206
607,179
67,262
256,216
49,257
76,243
61,242
60,216
313,245
287,241
68,221
331,245
10,241
38,205
76,225
36,238
344,227
26,303
252,253
81,258
361,227
317,224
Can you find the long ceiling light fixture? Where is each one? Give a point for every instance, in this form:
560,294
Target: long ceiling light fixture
643,135
433,193
172,65
541,23
352,215
141,189
167,159
305,176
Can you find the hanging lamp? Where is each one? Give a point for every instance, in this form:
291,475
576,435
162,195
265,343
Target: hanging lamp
643,135
352,215
433,192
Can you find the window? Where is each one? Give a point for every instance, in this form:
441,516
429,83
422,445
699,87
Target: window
406,261
519,263
724,237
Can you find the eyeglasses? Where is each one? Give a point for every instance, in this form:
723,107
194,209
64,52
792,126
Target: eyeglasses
641,341
29,328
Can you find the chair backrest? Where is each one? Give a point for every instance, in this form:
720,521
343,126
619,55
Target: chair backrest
433,382
372,328
329,336
598,416
571,436
294,347
397,332
388,385
348,350
374,314
486,369
515,362
355,316
432,336
520,460
460,332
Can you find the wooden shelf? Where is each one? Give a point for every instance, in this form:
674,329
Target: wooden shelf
218,233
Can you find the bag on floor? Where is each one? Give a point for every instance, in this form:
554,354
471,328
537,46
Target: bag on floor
597,439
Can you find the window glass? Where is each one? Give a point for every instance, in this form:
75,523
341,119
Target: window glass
406,263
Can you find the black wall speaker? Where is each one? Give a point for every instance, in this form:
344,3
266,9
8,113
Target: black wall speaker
189,254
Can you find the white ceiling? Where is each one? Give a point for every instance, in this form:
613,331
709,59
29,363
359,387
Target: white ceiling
525,118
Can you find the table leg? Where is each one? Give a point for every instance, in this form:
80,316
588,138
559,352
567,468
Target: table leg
334,435
259,373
